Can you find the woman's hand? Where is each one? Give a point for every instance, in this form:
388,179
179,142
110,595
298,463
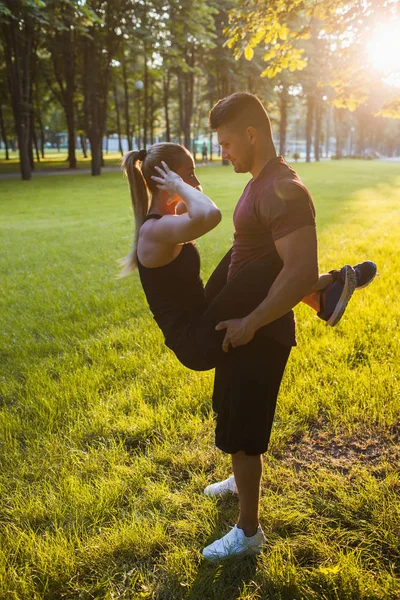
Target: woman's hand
168,180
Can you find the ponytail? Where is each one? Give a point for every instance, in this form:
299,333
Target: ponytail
140,203
143,188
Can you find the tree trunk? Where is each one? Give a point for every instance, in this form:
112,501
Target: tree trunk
4,133
196,109
40,123
118,119
63,57
95,148
146,100
328,129
210,137
188,98
17,53
91,75
318,118
31,141
166,82
71,138
283,120
96,78
83,144
69,73
181,109
309,123
338,132
126,103
151,106
362,129
188,108
34,138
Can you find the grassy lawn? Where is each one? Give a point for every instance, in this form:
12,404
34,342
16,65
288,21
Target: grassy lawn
107,441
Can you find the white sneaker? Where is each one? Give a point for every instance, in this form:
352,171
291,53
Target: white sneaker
222,487
235,543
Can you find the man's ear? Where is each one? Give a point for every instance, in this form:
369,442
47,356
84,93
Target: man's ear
251,133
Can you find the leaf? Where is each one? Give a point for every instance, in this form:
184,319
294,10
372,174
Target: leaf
283,33
319,12
271,71
249,52
390,109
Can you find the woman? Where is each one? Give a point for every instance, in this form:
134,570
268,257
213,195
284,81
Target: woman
171,211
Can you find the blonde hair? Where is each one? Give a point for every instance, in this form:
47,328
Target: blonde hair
138,167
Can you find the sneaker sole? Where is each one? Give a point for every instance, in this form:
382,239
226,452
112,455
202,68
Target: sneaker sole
348,290
244,552
223,493
218,494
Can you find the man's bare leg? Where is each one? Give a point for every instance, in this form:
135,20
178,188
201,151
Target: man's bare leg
248,472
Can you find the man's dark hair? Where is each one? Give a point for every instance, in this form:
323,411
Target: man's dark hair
240,110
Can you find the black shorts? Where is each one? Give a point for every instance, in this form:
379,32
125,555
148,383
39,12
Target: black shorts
246,387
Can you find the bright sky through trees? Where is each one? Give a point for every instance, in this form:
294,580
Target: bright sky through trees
384,51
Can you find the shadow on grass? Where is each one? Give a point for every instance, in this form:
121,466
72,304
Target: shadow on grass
226,578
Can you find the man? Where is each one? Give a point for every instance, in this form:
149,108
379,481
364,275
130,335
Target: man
274,216
204,152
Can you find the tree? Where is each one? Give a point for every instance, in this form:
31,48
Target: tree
99,46
281,31
20,23
65,18
5,126
191,28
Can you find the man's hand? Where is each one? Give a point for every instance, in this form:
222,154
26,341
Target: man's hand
238,333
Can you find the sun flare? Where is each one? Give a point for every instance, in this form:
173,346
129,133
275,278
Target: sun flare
384,48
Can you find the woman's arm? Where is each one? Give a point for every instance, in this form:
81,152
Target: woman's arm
202,214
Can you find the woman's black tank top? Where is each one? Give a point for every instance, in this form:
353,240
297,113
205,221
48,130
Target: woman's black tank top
175,291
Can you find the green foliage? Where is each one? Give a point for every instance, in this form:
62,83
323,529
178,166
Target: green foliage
390,109
284,29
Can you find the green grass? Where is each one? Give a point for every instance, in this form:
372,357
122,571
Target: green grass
107,441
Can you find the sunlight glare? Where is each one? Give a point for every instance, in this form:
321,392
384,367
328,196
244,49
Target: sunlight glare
384,48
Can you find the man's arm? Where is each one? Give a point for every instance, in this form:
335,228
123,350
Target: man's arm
298,251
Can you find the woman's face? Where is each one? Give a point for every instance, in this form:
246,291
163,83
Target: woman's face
186,171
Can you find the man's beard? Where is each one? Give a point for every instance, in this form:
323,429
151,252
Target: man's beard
243,166
246,162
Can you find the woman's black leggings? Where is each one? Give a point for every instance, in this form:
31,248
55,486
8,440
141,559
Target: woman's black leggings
199,346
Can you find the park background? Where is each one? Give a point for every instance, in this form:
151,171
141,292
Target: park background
106,441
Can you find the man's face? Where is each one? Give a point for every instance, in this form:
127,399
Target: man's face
236,147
